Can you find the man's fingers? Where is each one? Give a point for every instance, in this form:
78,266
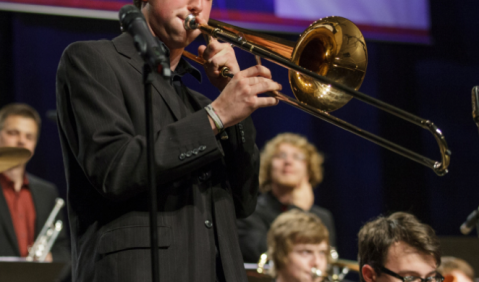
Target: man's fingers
263,102
201,21
256,71
201,51
213,48
263,85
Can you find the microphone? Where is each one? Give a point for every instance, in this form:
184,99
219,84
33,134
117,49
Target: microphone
475,104
470,222
149,47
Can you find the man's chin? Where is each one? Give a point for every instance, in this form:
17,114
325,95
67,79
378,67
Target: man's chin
289,184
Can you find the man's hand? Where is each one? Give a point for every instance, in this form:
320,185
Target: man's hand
217,56
49,257
303,196
240,97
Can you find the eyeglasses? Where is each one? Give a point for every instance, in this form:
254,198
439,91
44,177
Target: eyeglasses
295,156
436,278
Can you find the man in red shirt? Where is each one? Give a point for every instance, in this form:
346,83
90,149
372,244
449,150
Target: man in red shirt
25,200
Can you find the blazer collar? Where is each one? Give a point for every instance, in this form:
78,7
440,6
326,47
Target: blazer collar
125,46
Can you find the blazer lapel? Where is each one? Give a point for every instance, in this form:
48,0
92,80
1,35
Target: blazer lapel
42,210
7,221
125,46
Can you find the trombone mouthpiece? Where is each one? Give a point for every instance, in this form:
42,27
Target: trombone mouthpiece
316,272
190,23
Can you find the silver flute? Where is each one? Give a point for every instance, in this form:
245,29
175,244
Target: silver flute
48,235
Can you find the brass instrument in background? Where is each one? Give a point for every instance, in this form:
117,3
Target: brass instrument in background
326,66
337,269
48,235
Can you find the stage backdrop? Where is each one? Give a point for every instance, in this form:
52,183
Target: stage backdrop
393,20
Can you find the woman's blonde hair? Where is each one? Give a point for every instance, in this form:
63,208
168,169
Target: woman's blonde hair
314,159
449,264
291,228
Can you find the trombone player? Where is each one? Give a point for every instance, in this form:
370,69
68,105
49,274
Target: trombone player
25,200
204,181
298,245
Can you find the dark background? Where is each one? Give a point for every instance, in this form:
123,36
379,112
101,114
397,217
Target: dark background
361,180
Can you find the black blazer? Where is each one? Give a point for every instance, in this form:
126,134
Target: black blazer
203,184
44,194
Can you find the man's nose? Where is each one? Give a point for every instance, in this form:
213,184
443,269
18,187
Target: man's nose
21,141
317,261
195,6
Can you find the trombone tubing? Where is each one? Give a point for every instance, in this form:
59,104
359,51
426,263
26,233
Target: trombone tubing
440,168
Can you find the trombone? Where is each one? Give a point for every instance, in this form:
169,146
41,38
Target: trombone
326,66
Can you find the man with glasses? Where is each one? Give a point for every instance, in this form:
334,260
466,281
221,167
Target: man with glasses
290,168
398,247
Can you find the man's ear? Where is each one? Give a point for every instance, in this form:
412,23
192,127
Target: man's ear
368,273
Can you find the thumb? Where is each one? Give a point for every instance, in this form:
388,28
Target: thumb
201,50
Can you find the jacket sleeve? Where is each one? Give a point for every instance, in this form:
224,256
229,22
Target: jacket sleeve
242,161
95,118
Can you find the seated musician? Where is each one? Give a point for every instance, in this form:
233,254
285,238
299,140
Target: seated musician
398,247
459,269
298,246
290,169
25,200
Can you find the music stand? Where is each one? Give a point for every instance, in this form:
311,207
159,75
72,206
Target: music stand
20,270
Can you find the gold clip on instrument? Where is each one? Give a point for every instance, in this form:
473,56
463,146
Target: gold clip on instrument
48,235
337,268
326,66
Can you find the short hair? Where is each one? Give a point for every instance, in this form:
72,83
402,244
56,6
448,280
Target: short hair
291,228
19,109
449,264
137,3
314,159
376,236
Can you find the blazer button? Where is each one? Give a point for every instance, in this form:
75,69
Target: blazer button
208,224
204,176
188,154
182,156
202,148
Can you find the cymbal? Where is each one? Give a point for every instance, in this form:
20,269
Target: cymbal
13,156
352,265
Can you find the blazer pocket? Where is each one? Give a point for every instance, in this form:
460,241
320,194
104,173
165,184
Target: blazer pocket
133,237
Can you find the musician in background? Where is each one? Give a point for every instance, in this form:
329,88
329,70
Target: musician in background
398,247
458,268
298,245
290,168
25,200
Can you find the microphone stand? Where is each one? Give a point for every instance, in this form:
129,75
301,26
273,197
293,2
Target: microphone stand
475,117
163,68
154,56
475,105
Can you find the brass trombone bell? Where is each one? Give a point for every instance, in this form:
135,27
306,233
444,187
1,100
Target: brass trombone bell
326,66
332,47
